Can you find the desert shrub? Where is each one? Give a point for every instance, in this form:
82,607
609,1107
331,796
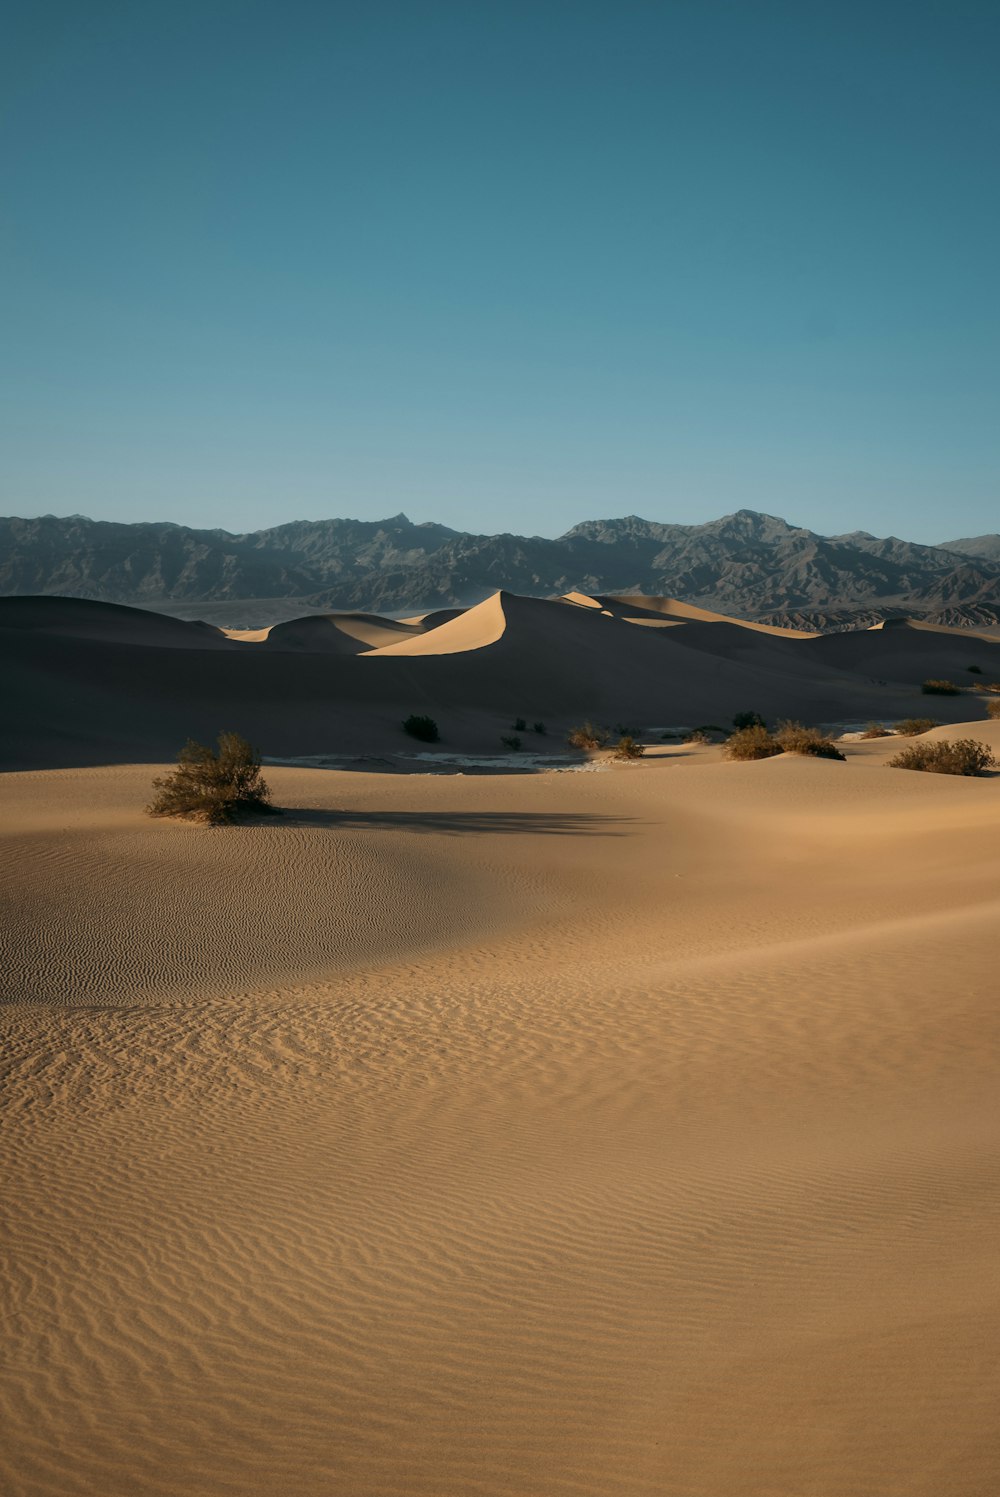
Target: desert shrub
752,742
424,728
993,708
976,670
213,786
966,756
628,748
940,689
793,738
588,736
697,735
511,741
748,720
519,725
876,730
910,727
538,728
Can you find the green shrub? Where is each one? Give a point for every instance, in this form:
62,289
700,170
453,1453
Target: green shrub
966,756
748,720
424,728
628,748
876,730
588,736
519,725
752,742
793,738
993,708
214,787
910,727
538,728
976,670
511,741
940,689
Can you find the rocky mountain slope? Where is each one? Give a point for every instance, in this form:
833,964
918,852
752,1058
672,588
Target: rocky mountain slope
746,564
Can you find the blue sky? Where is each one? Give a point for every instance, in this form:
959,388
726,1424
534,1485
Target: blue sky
504,265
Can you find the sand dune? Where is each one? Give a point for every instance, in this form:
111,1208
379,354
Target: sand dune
630,1133
85,683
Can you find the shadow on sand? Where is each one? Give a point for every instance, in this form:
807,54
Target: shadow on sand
457,822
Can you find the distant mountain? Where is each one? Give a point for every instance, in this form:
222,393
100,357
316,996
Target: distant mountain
745,564
987,546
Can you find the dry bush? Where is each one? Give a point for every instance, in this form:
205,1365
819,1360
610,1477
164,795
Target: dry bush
793,738
976,670
213,787
748,720
538,728
940,689
751,743
876,730
628,748
511,741
966,756
588,736
424,728
910,727
698,736
993,708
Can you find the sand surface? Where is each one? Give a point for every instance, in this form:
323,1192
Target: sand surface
519,1136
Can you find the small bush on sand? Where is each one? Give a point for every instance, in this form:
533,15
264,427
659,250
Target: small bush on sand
588,736
966,756
793,738
538,728
628,748
976,670
876,730
993,708
511,741
753,742
519,725
424,728
214,787
910,727
940,689
748,720
697,735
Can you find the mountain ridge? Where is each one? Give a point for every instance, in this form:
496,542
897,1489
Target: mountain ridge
747,564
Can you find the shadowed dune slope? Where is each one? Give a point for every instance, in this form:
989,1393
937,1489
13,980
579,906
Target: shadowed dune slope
111,623
85,683
339,633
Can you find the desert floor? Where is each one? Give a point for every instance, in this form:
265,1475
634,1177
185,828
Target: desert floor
599,1133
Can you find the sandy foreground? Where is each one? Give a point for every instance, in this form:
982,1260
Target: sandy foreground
603,1133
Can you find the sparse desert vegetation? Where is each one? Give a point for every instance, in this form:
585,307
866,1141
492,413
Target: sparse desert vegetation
993,709
751,742
794,738
214,786
697,735
876,730
965,756
743,720
911,727
940,689
588,737
423,728
511,741
628,747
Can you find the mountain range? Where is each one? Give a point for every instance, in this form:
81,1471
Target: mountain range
747,564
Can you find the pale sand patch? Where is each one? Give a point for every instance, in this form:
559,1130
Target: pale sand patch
623,1133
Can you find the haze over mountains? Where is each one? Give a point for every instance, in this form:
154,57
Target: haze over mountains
747,564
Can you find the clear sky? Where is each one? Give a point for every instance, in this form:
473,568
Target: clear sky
505,264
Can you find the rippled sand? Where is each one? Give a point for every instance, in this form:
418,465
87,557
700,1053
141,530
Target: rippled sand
601,1134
